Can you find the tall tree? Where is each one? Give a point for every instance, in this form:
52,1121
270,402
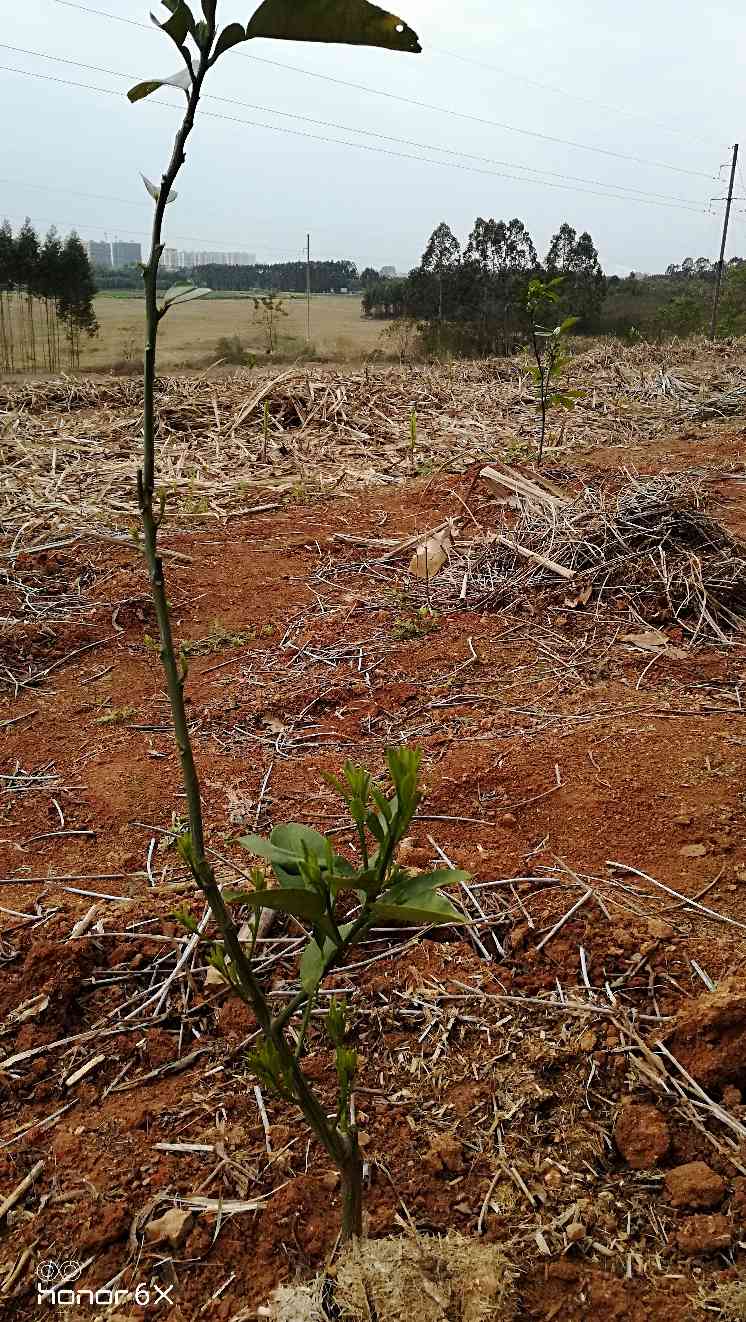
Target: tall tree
75,298
584,284
442,254
561,252
27,276
505,256
7,284
49,283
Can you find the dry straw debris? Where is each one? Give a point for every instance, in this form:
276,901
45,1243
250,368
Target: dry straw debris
650,547
70,446
411,1279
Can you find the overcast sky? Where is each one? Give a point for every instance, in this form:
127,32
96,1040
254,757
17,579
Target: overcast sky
661,81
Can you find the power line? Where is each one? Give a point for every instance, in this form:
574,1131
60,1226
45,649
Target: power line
124,201
574,96
295,256
423,105
623,189
362,146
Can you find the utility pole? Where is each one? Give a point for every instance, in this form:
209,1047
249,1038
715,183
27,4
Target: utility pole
719,281
308,288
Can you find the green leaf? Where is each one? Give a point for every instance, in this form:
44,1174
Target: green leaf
286,899
256,844
311,967
265,1062
208,9
429,880
230,36
430,907
374,826
186,919
387,806
202,35
285,844
289,875
291,838
180,24
336,1021
354,23
568,324
314,960
141,90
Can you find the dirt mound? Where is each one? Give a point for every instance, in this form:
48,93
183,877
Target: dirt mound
709,1036
54,972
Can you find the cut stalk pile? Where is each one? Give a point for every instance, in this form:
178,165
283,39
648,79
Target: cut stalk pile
649,549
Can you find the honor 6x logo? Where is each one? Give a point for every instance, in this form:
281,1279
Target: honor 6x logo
56,1284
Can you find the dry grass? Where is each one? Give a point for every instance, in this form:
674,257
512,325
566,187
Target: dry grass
189,335
412,1279
71,447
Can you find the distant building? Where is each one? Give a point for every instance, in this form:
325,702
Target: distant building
170,259
188,260
388,272
125,254
99,253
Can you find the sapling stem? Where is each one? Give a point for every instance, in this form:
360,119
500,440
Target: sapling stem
341,1148
318,886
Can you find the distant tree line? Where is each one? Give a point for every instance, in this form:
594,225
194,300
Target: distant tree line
677,302
474,301
130,277
46,299
281,277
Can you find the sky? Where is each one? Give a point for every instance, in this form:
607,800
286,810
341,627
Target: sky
545,111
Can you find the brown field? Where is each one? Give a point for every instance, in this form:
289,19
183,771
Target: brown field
564,1081
189,334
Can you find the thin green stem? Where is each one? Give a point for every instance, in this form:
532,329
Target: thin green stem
304,1027
362,924
336,1144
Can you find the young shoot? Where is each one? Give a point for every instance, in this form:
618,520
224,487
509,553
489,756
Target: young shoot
549,352
310,877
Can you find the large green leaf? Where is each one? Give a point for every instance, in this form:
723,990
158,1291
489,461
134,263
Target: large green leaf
286,843
179,24
285,850
423,881
292,837
352,22
299,903
430,907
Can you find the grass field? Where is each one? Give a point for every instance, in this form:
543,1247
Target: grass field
188,336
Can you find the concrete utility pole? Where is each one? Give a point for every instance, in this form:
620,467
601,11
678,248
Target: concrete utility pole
308,289
719,281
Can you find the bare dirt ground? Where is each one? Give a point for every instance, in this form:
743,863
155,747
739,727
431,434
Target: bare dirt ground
540,1084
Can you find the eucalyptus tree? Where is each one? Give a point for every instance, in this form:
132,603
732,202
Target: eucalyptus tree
442,255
